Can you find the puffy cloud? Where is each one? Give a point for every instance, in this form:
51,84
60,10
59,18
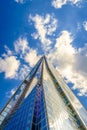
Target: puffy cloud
8,52
63,50
60,3
21,45
19,1
9,65
63,43
70,63
26,53
22,72
85,25
45,27
32,57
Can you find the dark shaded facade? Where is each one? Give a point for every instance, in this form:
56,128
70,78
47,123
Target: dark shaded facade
43,102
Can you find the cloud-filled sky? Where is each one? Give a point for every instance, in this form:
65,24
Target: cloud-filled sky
30,29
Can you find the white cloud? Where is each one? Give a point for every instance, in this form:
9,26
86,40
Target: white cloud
19,1
85,25
45,27
63,50
32,57
9,65
21,45
75,1
60,3
35,35
71,63
23,72
9,52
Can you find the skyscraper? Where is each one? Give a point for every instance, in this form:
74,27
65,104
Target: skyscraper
43,101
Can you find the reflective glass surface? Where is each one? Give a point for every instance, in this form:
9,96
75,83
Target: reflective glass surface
7,110
39,117
23,117
48,103
60,117
80,110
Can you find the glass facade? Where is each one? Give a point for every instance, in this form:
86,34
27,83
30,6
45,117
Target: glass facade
15,100
22,119
75,104
39,121
59,115
46,103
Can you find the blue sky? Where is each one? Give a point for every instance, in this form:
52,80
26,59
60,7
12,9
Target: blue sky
31,28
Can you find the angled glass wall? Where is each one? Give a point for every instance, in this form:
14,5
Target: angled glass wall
17,97
61,114
22,119
39,121
31,112
75,103
43,102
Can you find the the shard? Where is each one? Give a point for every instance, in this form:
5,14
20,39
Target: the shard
43,101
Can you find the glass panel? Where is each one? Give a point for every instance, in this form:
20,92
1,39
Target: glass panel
59,117
1,117
7,109
4,113
72,98
23,116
